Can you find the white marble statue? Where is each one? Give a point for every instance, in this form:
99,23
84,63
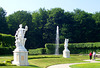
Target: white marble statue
19,36
66,52
20,52
66,44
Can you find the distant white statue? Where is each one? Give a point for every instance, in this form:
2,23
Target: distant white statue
66,52
19,36
66,44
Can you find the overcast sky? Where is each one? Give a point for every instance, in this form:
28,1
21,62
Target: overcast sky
12,6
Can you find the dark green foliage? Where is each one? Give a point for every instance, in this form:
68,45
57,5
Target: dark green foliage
2,64
6,40
6,50
37,51
78,26
50,48
19,17
75,48
6,44
39,19
8,62
83,27
3,24
85,45
55,18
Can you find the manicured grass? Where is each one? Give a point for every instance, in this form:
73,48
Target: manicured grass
4,58
87,65
48,60
42,61
32,66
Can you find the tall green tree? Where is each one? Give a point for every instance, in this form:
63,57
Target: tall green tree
83,27
3,24
96,17
20,17
39,19
56,18
67,27
77,26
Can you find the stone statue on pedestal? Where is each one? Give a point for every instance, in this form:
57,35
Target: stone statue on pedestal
66,52
20,53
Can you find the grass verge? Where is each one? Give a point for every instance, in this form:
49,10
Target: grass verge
46,60
87,65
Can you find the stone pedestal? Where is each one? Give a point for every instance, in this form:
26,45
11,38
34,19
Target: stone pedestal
66,54
20,56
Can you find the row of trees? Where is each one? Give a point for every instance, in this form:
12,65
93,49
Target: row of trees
77,26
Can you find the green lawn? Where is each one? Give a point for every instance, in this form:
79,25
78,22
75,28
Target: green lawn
32,66
4,58
87,65
42,61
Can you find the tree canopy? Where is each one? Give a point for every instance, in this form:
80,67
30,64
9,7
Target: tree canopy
78,26
3,24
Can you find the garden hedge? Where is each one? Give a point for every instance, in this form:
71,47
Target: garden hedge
37,51
7,40
6,50
7,44
75,48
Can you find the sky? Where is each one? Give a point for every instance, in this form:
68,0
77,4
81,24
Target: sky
11,6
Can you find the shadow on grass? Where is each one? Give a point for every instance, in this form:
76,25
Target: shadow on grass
34,66
14,66
41,57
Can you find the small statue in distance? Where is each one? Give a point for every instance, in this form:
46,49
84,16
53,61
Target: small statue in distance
66,52
66,44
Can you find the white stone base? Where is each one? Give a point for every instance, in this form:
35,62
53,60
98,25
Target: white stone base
20,58
66,54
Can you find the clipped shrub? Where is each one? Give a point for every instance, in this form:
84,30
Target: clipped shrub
2,64
9,62
37,51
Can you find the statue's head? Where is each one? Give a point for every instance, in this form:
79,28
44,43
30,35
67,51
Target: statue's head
67,40
26,27
20,25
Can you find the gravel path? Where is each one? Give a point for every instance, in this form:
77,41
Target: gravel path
67,65
62,65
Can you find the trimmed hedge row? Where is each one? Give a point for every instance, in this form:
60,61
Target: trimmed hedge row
75,48
6,40
84,45
7,44
37,51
